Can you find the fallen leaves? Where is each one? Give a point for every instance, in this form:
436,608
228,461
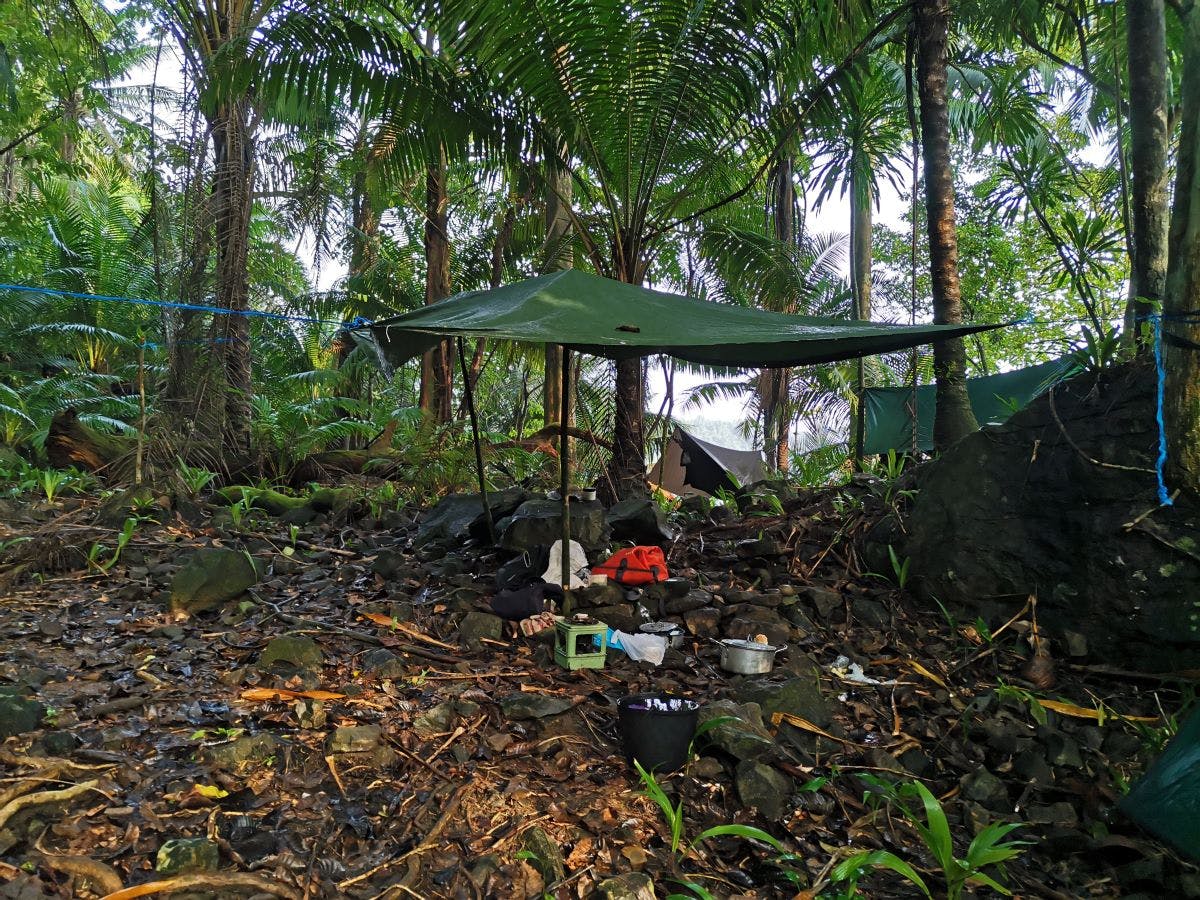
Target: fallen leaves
1100,714
266,695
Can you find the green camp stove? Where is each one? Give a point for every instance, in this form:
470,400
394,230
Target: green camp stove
580,642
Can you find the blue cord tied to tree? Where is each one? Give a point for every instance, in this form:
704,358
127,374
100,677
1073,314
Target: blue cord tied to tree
1164,498
357,322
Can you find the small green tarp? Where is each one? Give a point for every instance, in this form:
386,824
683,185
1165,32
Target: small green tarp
603,317
1166,801
993,398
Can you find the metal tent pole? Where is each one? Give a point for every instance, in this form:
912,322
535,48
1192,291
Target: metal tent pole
564,469
469,393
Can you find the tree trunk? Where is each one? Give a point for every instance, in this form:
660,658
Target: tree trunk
364,232
557,254
436,373
1181,307
860,280
210,389
774,385
627,471
233,189
1149,138
954,419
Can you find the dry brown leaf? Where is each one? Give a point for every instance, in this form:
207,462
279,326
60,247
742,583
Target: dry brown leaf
389,622
1083,712
805,725
265,695
921,670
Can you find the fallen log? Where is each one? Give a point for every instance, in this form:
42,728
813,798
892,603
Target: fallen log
72,443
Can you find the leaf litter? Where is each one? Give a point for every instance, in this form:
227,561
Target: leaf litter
394,762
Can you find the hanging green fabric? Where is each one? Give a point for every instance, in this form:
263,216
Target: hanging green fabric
1166,799
607,318
993,398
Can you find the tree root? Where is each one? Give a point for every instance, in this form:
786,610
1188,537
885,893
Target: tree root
207,881
17,804
104,878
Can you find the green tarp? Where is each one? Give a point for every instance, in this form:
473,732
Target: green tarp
993,398
1166,801
606,318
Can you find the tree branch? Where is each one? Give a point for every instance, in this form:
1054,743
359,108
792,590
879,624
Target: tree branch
17,142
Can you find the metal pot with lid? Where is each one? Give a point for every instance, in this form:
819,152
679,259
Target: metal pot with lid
748,657
672,632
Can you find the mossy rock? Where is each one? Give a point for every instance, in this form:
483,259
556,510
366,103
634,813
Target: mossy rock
18,714
290,653
211,578
183,855
265,499
327,500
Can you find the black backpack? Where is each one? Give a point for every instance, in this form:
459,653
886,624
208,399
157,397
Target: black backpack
526,569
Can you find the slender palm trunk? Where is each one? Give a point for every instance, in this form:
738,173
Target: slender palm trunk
1181,307
364,232
1149,138
860,279
436,372
954,419
233,186
627,471
774,385
556,251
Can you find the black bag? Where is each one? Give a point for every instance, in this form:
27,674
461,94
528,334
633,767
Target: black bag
526,569
525,602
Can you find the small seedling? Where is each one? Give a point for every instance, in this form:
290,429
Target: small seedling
93,557
673,813
52,481
899,567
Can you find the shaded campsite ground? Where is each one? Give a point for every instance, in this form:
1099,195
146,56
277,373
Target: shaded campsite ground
355,725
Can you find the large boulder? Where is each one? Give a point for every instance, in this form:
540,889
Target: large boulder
212,577
459,516
640,521
1055,503
539,522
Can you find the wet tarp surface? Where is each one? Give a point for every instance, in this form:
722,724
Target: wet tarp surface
690,465
608,318
993,398
1166,802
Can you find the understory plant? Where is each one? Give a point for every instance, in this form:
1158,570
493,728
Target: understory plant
989,847
681,846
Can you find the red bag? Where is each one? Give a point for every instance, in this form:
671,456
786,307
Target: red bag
634,566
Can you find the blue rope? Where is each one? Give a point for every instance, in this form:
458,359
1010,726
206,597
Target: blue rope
152,345
357,322
1164,498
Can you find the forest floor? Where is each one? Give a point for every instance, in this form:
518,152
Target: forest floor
378,757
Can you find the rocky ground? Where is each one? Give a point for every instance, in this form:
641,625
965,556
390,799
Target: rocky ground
321,704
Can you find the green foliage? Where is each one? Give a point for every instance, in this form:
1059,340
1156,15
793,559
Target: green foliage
928,819
194,478
1099,349
52,481
673,815
97,549
819,467
846,874
899,567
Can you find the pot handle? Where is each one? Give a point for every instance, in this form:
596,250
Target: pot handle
750,640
